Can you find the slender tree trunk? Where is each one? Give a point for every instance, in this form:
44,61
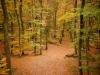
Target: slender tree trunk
80,45
81,34
71,35
99,39
55,23
5,27
19,27
12,37
75,36
62,33
12,26
35,37
12,33
47,29
88,24
35,41
21,21
41,4
87,55
46,36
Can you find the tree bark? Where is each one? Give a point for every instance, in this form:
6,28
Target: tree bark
19,27
21,21
81,34
5,27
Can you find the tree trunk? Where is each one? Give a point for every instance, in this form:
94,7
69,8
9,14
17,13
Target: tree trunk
81,34
5,27
21,21
41,4
55,23
75,22
19,27
62,33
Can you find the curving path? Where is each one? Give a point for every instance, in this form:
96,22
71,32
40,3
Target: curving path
52,62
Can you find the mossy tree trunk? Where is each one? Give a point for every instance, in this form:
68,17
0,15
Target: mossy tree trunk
81,35
5,27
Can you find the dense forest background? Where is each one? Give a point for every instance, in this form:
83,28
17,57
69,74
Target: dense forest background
33,24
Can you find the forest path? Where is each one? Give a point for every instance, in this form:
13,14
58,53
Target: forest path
52,62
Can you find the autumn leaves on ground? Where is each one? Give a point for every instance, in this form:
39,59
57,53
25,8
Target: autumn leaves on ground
34,40
52,62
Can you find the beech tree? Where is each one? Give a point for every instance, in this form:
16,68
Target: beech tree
5,28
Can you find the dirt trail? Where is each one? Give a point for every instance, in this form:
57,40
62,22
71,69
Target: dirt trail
52,62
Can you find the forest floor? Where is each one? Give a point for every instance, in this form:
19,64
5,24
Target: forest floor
51,62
